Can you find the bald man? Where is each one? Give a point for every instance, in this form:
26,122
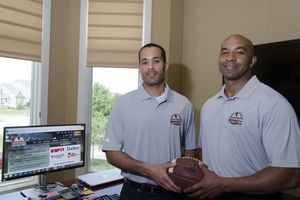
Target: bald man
249,134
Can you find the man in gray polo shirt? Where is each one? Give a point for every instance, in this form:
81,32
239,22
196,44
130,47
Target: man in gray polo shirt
249,134
148,128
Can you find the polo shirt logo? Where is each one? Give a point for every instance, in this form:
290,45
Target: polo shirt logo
236,118
175,119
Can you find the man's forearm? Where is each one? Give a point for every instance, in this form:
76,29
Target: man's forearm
271,179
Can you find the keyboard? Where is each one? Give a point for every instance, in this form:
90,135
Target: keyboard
108,197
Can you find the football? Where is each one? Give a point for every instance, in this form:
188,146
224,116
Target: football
186,172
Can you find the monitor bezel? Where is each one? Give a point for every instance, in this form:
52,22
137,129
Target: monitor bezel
48,170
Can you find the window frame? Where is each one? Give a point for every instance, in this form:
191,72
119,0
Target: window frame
39,96
85,74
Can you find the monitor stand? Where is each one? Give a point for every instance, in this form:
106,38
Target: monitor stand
40,191
43,184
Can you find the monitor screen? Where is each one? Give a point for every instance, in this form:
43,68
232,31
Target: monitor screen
33,150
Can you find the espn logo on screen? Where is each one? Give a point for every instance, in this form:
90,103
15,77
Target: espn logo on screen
56,150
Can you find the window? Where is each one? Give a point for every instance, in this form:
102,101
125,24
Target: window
18,99
108,85
85,80
22,99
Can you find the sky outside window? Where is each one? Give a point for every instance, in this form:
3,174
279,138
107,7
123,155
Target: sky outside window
117,80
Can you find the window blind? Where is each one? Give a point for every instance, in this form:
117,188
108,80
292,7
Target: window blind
21,29
114,33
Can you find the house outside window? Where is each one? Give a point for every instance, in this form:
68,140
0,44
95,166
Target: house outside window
16,78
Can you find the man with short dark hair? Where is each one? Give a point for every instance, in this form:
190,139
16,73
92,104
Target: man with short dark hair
148,128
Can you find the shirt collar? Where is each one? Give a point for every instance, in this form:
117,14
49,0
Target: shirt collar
143,94
246,91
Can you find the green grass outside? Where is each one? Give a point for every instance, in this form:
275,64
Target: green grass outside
98,164
9,111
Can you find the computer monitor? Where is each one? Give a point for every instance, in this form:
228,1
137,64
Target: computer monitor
37,150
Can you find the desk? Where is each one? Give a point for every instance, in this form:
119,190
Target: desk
109,188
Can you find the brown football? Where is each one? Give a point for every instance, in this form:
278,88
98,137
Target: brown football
186,172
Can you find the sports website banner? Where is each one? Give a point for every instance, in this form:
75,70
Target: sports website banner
31,153
64,155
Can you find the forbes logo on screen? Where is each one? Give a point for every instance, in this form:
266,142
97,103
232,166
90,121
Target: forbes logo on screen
73,148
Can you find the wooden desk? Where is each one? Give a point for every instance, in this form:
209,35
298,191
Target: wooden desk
100,191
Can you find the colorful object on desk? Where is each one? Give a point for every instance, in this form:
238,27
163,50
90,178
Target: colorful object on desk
86,191
53,195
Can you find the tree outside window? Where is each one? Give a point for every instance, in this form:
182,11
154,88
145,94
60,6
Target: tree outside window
108,85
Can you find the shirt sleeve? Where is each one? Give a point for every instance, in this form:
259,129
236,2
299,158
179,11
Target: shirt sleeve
281,135
190,141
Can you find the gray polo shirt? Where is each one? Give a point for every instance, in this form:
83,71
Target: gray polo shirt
255,129
151,131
